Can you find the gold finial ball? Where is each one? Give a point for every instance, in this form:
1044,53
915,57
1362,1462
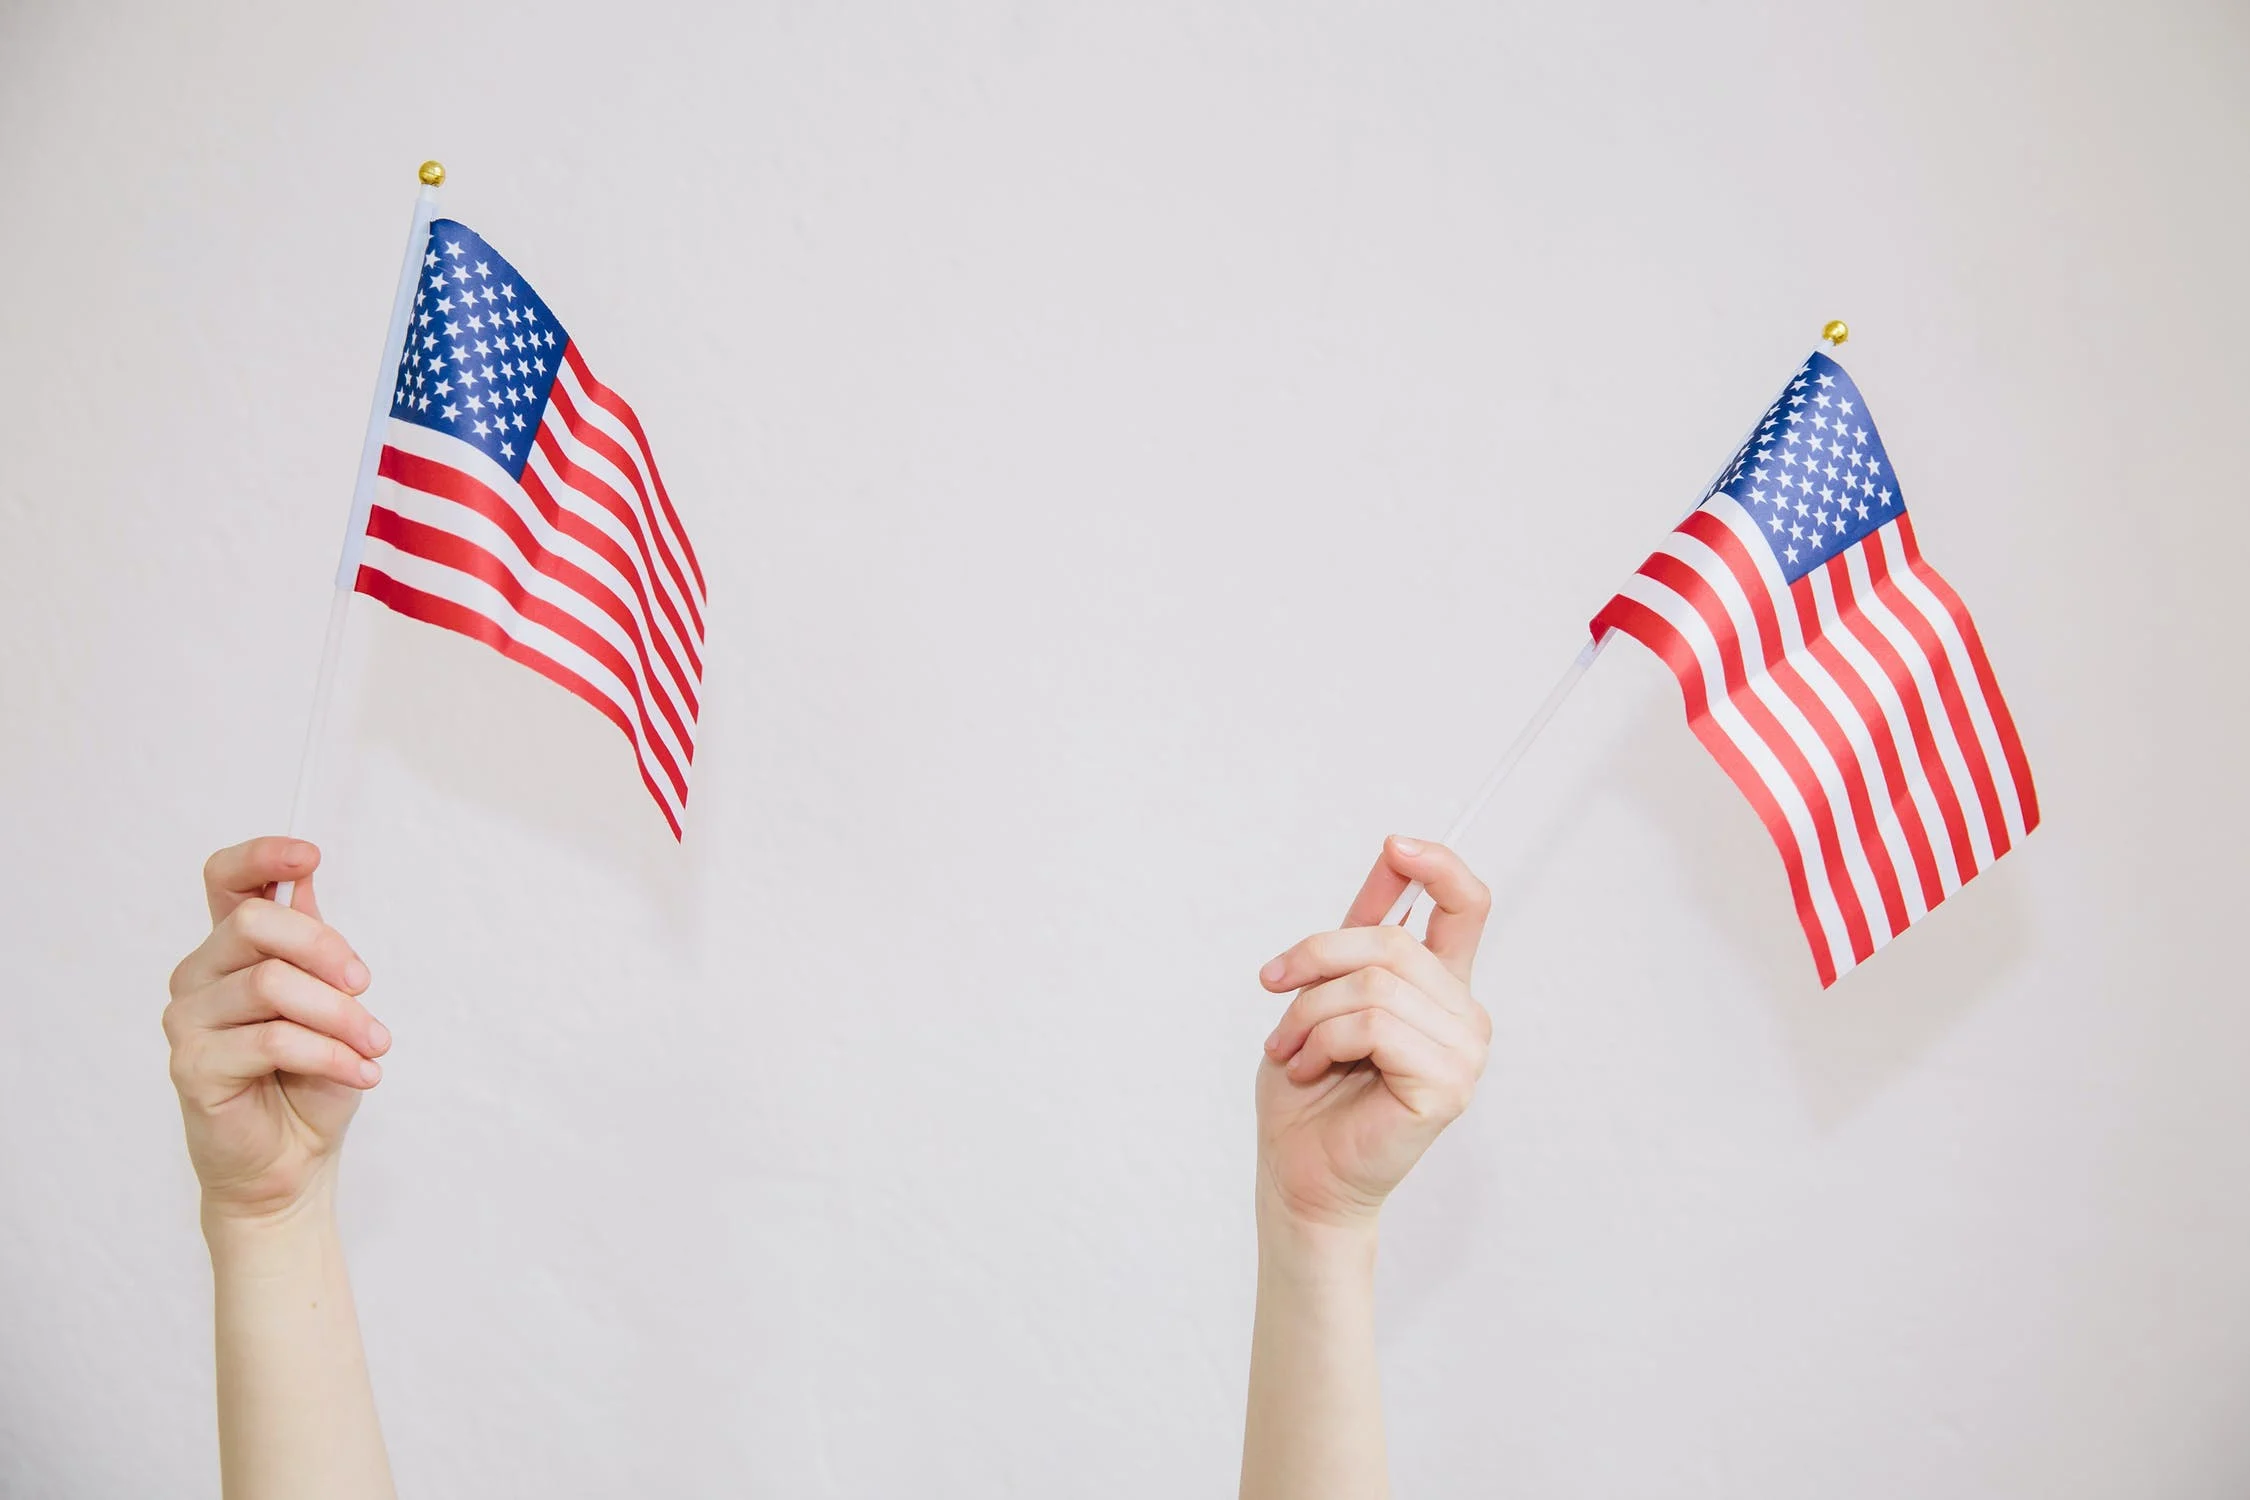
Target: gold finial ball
1836,332
433,173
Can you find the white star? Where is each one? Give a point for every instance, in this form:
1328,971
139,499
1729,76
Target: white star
1831,471
423,404
540,365
452,247
1820,517
1835,450
484,269
430,259
451,413
1822,398
422,321
486,372
1859,435
476,403
1845,407
488,297
1874,466
517,418
507,450
509,292
1789,458
483,431
1777,522
1757,497
1826,381
550,341
1790,553
1863,510
443,387
1886,495
1839,523
483,349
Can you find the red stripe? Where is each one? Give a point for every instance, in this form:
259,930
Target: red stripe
447,615
571,524
609,448
609,401
1949,688
444,482
1842,750
1878,645
1690,585
1847,677
449,550
608,499
2019,767
1655,632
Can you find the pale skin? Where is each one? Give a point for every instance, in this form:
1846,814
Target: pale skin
1378,1052
272,1047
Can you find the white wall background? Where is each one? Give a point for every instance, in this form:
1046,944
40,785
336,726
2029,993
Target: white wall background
1142,454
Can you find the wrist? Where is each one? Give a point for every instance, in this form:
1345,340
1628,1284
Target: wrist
261,1233
1314,1246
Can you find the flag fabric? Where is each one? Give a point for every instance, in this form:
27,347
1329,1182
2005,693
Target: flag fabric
1833,674
517,502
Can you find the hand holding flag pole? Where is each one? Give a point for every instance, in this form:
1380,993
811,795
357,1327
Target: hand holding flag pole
1835,333
432,176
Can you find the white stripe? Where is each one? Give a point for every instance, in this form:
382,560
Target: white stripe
647,565
458,520
1823,685
480,598
1714,571
676,688
1965,673
1682,616
1838,633
1877,612
642,462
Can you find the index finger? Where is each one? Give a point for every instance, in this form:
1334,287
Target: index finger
1462,901
232,876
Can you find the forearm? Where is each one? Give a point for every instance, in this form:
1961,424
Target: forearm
1315,1424
296,1412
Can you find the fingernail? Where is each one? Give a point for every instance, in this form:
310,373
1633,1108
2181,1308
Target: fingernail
1273,1039
356,975
301,853
380,1035
1405,846
1273,971
369,1073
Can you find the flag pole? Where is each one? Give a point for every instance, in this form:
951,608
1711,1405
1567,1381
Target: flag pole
432,177
1835,333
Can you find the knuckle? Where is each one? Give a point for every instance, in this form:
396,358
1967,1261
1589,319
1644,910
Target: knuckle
176,983
269,980
1476,896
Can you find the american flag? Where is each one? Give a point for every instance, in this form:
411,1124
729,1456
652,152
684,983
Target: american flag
517,502
1833,674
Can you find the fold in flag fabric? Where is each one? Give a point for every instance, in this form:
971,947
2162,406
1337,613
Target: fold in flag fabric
517,502
1833,674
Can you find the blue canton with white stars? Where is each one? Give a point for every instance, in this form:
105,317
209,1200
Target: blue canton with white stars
1815,475
481,352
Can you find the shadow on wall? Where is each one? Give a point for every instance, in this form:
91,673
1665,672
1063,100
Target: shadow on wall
483,731
1849,1043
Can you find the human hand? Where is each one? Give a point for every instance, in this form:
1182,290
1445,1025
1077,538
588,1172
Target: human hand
271,1047
1380,1050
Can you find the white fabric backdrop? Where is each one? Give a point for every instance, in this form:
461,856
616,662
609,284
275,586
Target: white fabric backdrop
1141,455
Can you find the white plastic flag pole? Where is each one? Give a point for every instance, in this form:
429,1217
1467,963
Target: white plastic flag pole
432,177
1506,764
1835,334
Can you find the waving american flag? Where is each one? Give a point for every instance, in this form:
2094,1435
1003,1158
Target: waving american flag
517,502
1833,674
